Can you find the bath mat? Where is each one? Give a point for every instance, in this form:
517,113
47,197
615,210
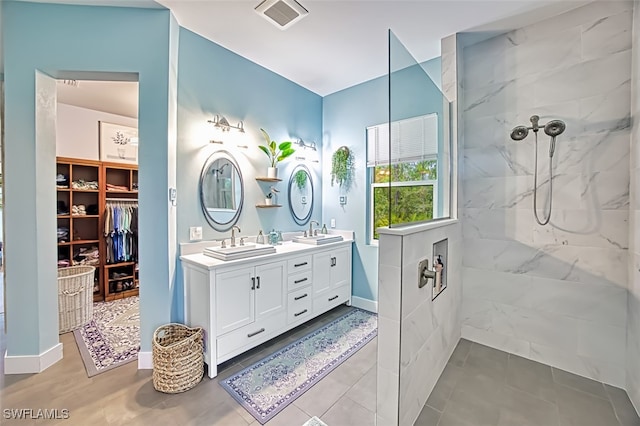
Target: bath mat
112,337
314,421
271,384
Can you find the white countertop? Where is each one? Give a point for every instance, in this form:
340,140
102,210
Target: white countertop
201,260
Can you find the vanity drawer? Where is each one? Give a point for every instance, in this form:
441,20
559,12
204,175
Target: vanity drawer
299,280
299,305
298,264
330,299
251,335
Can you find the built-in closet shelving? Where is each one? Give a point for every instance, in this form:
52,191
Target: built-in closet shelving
81,231
120,188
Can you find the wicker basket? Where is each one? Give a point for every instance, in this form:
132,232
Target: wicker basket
178,358
75,297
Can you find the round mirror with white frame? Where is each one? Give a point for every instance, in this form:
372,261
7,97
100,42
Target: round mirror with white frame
221,190
301,194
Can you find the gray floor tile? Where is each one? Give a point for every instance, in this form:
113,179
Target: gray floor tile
531,377
486,361
583,409
626,413
317,400
444,387
347,412
428,417
523,409
364,391
466,408
580,383
460,353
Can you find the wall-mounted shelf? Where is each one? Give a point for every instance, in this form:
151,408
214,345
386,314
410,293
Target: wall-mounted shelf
266,206
268,179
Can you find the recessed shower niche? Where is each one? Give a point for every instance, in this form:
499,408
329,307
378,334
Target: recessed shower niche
440,267
437,272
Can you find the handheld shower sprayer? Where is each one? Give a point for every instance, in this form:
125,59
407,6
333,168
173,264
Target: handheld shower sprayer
553,128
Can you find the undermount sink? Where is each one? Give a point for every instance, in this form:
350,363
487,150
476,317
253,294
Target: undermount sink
318,239
238,252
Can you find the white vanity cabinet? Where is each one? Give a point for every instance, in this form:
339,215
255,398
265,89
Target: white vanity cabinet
249,294
331,278
244,303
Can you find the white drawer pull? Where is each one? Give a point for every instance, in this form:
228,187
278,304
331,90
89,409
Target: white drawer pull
300,313
255,333
300,297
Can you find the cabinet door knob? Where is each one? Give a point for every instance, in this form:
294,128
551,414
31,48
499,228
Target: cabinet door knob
253,283
258,286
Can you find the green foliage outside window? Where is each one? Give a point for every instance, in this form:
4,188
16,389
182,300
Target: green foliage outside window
409,203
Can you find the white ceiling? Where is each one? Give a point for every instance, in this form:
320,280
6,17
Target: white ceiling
339,43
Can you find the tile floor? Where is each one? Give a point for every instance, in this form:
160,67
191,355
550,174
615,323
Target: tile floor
481,386
126,396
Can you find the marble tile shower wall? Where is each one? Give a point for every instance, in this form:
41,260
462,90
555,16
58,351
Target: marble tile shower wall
633,301
556,294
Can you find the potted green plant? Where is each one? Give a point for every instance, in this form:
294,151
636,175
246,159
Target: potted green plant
276,153
342,167
270,197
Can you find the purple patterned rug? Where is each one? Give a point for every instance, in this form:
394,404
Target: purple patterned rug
112,337
268,386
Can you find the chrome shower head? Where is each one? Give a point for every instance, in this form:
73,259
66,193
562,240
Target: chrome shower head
519,133
554,128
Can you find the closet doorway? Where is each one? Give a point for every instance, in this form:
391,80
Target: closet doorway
97,215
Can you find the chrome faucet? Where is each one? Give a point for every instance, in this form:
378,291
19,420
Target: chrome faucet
311,227
233,234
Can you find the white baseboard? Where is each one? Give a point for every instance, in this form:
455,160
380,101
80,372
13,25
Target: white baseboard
145,360
29,364
366,304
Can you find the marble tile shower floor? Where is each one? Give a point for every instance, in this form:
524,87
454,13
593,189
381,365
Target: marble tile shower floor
482,386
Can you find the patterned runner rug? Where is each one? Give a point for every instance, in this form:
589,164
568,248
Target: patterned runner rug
269,385
112,337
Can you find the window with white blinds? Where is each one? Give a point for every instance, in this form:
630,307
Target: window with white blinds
413,139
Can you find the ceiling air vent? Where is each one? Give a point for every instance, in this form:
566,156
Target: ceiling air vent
281,13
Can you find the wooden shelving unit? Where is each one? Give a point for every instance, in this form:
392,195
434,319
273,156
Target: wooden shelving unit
85,233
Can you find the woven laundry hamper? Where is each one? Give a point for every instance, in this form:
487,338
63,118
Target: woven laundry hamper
178,358
75,297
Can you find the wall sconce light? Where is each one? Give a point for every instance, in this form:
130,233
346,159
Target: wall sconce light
306,145
223,124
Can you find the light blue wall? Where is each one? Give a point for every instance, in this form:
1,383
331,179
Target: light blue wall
52,39
213,80
346,115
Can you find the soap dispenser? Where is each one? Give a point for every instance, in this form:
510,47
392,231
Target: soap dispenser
324,229
260,238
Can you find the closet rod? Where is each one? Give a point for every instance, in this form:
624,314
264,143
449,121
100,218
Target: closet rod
130,200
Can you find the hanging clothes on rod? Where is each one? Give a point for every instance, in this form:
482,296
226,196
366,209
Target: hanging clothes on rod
121,230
